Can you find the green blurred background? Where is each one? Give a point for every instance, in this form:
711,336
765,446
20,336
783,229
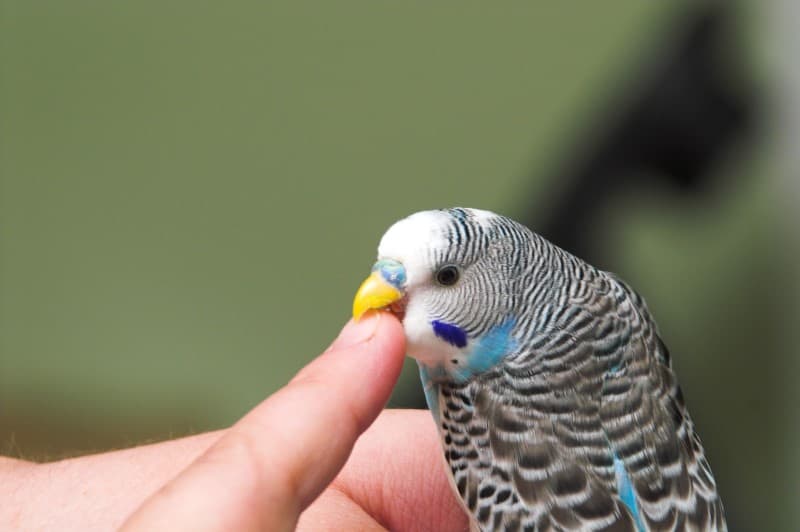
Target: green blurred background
191,192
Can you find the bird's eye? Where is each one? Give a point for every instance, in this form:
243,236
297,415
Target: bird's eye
447,275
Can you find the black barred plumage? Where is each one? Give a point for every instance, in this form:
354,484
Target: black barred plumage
581,425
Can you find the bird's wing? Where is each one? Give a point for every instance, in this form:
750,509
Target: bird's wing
514,469
584,429
651,433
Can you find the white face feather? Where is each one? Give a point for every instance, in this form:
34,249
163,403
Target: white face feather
410,241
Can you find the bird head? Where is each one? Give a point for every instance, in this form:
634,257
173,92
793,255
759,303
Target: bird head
451,276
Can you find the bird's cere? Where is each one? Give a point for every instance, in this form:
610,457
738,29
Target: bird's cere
392,272
553,393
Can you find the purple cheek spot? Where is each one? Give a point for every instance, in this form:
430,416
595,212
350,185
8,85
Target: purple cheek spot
452,334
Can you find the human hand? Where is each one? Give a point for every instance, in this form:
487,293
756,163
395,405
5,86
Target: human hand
271,465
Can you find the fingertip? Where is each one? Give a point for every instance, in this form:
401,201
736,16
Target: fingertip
389,339
388,345
374,326
390,326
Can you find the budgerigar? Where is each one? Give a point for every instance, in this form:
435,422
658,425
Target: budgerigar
550,386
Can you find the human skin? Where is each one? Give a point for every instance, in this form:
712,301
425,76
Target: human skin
295,460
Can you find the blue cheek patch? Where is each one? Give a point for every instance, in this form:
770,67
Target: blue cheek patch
452,334
488,351
492,347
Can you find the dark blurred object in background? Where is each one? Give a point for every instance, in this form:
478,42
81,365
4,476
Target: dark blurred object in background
691,104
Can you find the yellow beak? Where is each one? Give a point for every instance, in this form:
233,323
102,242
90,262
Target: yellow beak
374,293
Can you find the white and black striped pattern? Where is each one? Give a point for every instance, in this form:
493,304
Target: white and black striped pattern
531,443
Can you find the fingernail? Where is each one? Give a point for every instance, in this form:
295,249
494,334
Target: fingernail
356,332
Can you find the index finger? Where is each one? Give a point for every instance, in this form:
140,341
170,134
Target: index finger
272,463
